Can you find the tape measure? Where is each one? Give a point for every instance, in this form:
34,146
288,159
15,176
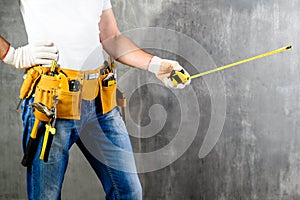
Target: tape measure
178,77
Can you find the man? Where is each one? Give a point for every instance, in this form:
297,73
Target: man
76,43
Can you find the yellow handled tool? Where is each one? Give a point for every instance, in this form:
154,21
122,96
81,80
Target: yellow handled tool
53,67
47,141
179,77
63,81
49,133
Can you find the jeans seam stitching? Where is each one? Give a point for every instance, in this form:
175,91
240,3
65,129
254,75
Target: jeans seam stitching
113,182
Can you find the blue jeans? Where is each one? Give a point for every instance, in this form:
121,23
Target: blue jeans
103,140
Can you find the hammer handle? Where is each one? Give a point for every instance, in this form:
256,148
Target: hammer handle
31,145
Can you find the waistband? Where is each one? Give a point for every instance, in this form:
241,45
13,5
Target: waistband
83,75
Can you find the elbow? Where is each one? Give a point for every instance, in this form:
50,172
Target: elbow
104,38
109,42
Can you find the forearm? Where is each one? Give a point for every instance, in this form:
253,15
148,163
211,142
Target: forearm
125,51
118,45
4,47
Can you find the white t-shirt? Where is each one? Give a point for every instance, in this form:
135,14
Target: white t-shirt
72,25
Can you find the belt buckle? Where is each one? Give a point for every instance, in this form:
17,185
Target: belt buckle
91,76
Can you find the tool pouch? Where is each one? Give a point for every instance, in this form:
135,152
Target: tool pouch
107,95
68,105
90,89
121,100
32,76
44,92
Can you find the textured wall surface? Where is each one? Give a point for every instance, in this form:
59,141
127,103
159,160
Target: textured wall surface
257,154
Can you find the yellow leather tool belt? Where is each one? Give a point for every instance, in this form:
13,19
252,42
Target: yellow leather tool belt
71,87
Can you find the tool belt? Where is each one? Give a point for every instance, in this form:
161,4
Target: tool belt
72,86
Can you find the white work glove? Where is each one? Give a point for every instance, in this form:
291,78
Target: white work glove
162,68
40,53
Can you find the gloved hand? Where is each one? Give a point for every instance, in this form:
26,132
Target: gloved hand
40,53
162,68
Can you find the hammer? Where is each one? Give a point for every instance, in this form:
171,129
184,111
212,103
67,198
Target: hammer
32,143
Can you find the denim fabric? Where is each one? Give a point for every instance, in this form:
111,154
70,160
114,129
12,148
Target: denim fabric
103,140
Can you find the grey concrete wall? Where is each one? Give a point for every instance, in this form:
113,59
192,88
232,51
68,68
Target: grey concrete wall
256,156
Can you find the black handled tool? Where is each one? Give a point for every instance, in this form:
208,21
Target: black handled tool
31,145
